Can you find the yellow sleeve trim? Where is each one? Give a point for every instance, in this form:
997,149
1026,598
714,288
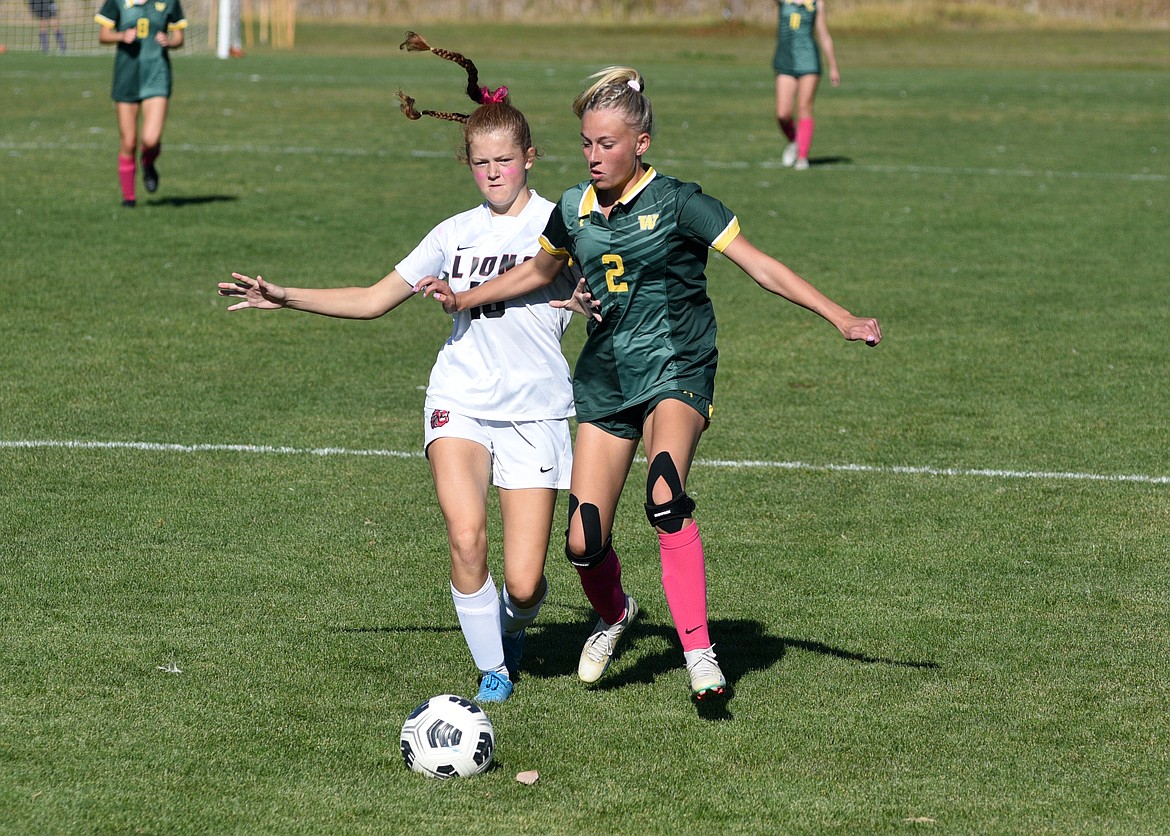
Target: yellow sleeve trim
729,234
104,21
182,24
547,246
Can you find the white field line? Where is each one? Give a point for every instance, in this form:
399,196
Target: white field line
16,148
154,447
731,464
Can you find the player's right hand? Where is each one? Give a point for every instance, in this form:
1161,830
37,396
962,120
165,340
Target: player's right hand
256,293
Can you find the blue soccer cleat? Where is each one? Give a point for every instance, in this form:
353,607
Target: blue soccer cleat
494,687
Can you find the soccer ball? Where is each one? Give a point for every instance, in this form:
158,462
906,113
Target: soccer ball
448,736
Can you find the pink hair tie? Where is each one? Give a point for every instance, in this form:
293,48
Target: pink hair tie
488,97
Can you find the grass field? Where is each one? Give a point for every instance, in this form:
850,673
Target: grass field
937,569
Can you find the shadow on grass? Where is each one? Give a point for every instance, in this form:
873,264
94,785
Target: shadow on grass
553,648
194,200
827,161
744,646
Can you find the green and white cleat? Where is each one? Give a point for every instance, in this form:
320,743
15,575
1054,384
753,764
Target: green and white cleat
707,679
599,647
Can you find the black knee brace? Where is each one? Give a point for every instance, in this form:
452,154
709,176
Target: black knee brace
669,515
595,549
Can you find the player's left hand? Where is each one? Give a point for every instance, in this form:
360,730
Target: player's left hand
434,286
581,302
863,328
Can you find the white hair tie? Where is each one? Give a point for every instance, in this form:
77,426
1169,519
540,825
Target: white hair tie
634,85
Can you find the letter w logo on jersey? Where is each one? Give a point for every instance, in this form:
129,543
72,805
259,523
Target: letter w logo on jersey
648,221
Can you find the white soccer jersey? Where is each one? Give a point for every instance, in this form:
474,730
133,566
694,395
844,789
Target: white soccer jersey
502,362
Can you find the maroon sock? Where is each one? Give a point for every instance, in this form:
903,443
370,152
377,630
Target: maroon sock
603,588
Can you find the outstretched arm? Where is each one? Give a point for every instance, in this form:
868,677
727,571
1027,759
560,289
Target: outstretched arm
341,302
776,278
523,278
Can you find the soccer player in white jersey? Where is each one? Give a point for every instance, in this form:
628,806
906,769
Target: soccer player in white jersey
500,395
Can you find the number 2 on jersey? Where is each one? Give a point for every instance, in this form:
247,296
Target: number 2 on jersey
616,268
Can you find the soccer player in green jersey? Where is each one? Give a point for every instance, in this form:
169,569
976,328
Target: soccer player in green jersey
144,32
798,73
647,370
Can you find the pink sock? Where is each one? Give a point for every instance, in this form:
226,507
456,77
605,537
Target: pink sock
149,155
684,579
804,134
126,177
603,588
787,128
126,170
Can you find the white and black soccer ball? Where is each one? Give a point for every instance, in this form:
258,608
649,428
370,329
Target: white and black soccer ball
448,736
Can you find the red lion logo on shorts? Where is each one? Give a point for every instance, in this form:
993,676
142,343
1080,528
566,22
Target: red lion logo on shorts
439,417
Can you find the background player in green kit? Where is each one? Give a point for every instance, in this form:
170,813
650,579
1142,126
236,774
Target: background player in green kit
144,31
798,73
647,370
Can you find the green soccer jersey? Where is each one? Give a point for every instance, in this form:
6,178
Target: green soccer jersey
796,50
645,263
142,68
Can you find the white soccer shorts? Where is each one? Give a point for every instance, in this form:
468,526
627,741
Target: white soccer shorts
525,454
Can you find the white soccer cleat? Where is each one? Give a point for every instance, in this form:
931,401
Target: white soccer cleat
599,647
707,678
800,165
789,155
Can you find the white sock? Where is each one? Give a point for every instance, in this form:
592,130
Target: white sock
479,618
513,619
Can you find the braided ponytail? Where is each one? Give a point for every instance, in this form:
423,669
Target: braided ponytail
495,113
416,43
407,107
